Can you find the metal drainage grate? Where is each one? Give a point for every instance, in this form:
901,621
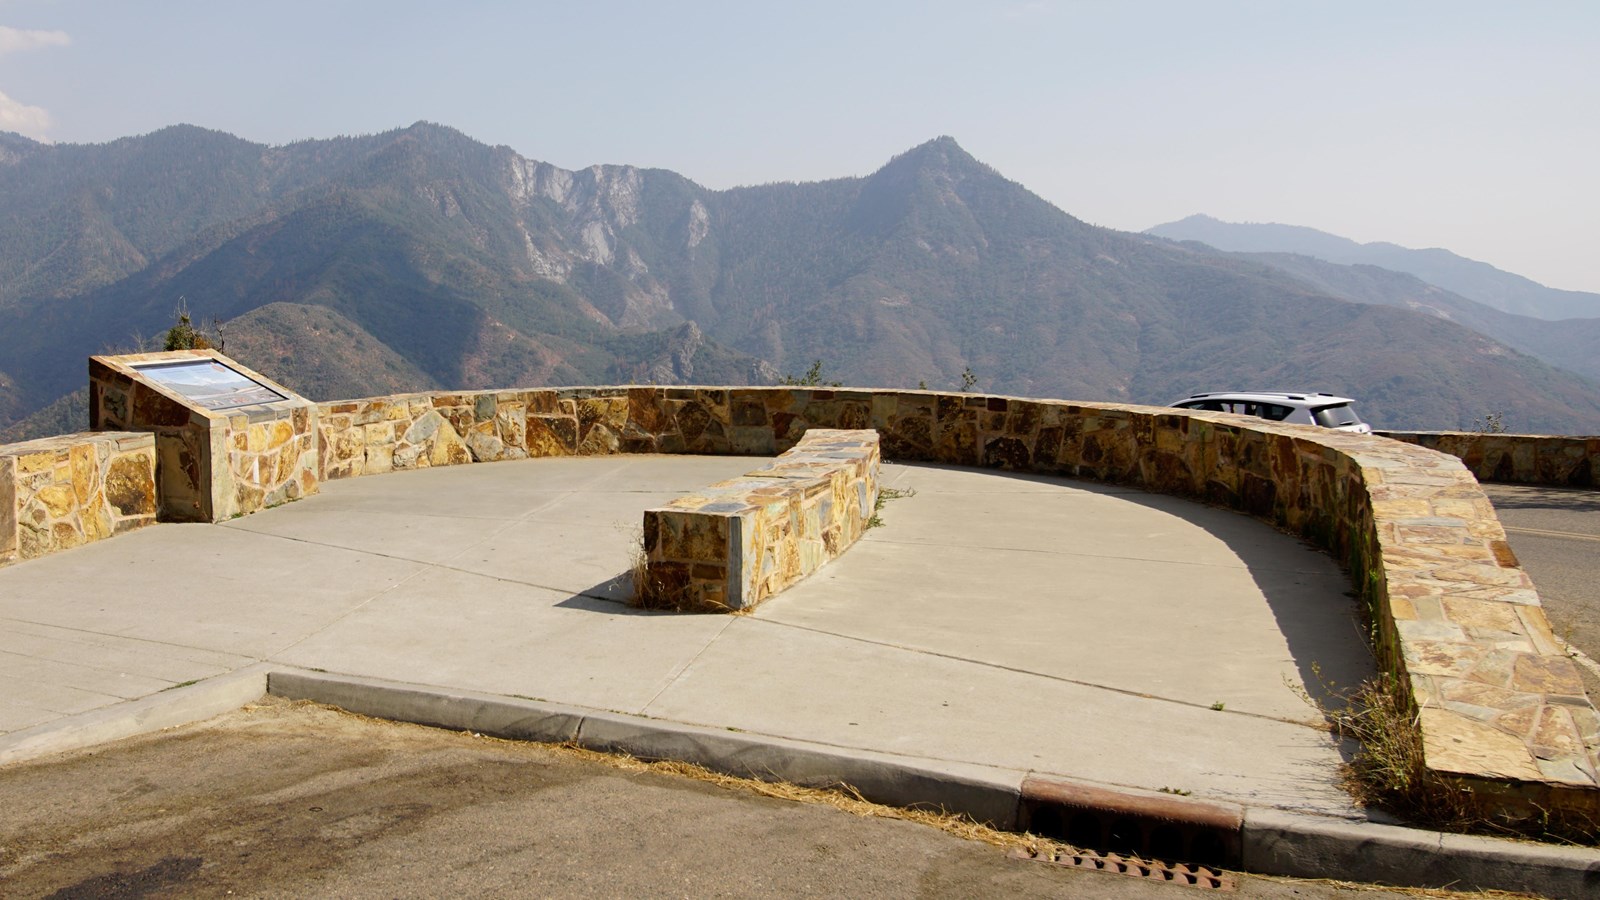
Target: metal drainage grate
1132,825
1202,877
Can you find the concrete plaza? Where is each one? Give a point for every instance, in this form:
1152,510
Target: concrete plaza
993,623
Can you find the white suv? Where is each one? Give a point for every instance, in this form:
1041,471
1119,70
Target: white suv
1299,408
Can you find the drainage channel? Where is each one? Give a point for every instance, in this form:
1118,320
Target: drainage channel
1127,833
1203,877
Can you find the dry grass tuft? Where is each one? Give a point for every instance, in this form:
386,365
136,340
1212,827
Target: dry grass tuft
841,797
1388,771
662,595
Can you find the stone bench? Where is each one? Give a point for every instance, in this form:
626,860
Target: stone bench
60,492
740,541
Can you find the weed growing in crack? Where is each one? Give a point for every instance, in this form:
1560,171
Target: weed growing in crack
884,496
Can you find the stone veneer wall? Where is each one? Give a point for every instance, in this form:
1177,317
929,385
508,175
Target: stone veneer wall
212,465
60,492
1553,459
733,544
1503,712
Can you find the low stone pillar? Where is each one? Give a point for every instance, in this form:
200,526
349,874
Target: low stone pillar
60,492
740,541
229,441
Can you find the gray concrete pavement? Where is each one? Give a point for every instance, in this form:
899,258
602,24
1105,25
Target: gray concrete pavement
1017,623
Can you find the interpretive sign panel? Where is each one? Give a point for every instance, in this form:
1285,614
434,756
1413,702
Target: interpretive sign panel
210,384
229,440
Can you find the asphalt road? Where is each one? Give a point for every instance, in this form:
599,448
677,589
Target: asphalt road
287,800
1555,533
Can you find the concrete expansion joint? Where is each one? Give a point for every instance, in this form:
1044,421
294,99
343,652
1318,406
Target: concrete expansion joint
1126,692
445,567
687,665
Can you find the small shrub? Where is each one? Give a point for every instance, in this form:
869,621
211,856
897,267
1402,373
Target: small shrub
1491,423
812,378
185,336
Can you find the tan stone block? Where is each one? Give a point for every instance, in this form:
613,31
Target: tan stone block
97,525
85,467
65,536
130,484
1440,657
1399,508
1480,616
243,465
8,509
1454,744
1555,735
600,441
1494,667
348,445
36,462
550,436
59,499
1402,609
1500,549
1475,693
32,542
1546,675
1518,721
407,456
1537,628
448,449
248,498
378,460
256,437
1587,721
281,432
510,424
287,459
1429,607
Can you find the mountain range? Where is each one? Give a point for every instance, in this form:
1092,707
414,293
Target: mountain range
422,259
1464,277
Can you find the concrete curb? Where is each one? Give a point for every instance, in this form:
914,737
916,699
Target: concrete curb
1270,841
985,794
1282,843
175,706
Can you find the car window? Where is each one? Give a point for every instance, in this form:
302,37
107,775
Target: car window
1336,415
1271,411
1207,405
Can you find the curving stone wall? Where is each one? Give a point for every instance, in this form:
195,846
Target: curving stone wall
1552,459
1502,709
57,493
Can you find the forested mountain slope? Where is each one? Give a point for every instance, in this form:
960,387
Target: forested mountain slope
420,258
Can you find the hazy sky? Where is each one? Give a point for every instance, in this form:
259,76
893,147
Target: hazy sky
1464,125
